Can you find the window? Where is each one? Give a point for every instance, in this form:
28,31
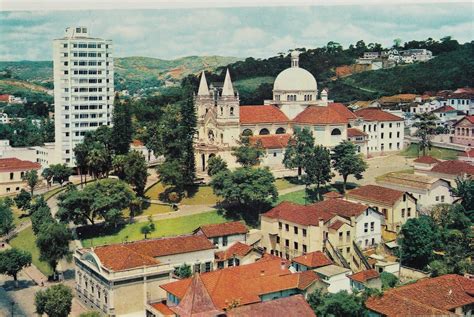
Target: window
305,248
340,236
278,239
366,227
381,135
381,125
197,268
215,241
442,199
224,241
366,242
280,131
230,262
348,250
389,125
287,227
373,241
11,176
408,212
390,135
304,232
287,242
437,198
296,245
65,45
207,267
404,197
264,131
220,265
296,230
398,134
336,132
231,111
403,212
348,236
280,225
372,226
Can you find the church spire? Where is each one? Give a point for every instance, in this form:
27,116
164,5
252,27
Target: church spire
203,89
227,89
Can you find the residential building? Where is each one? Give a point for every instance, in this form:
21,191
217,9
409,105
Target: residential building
446,295
223,235
396,206
4,119
447,113
360,139
335,277
83,88
119,279
237,254
310,261
385,130
427,190
427,106
262,281
12,171
464,131
449,170
463,100
365,279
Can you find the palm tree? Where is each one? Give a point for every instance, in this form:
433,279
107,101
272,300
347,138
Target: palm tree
97,161
81,152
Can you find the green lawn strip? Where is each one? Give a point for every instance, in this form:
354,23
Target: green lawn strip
436,152
195,195
53,192
19,216
165,227
297,197
25,240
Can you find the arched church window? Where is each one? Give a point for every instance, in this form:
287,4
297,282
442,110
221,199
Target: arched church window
231,111
280,131
210,135
336,132
247,132
264,131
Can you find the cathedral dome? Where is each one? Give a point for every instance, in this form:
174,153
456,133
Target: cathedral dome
295,79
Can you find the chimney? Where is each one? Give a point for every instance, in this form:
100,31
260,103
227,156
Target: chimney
321,222
262,272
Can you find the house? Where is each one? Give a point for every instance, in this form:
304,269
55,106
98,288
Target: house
107,276
464,131
235,255
311,261
446,295
385,130
335,277
237,286
450,170
396,206
225,234
274,148
424,163
365,279
467,156
462,100
427,190
12,171
336,226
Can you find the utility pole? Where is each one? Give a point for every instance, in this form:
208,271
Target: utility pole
13,306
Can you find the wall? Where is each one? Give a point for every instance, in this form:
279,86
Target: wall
375,235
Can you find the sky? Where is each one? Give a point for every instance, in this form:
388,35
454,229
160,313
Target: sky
241,32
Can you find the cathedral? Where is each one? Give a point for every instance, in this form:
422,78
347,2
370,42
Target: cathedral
295,105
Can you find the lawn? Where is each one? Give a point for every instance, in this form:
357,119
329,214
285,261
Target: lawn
151,210
17,216
436,152
298,197
164,227
53,192
283,183
25,240
196,195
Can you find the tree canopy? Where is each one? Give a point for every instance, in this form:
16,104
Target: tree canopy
53,243
55,301
6,219
13,261
346,161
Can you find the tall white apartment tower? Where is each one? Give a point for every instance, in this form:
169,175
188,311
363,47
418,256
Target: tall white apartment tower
83,88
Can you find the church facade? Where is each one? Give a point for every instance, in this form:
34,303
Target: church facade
221,120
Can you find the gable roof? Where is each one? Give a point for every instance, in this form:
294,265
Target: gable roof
313,259
238,249
262,114
294,305
343,110
12,164
336,225
124,256
375,114
271,141
321,115
223,229
410,180
426,160
454,167
246,283
468,118
444,108
376,193
353,132
434,296
364,276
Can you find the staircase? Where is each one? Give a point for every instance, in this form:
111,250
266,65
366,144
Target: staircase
361,256
338,255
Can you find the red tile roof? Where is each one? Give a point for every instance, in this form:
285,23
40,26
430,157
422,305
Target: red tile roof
426,160
364,276
343,110
13,164
271,141
137,143
321,115
223,229
163,309
262,114
118,257
332,195
336,225
286,306
4,98
468,118
353,132
444,109
454,167
313,259
376,193
246,283
238,249
375,114
433,296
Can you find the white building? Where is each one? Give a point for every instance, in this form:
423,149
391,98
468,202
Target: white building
335,277
83,88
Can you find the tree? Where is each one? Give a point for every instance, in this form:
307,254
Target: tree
53,243
299,147
106,199
61,173
426,127
250,187
171,173
215,165
91,314
347,161
56,301
23,199
136,172
148,228
338,304
118,165
48,176
81,154
13,261
31,178
464,190
6,219
417,240
389,280
41,217
183,271
98,161
122,129
247,154
317,168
